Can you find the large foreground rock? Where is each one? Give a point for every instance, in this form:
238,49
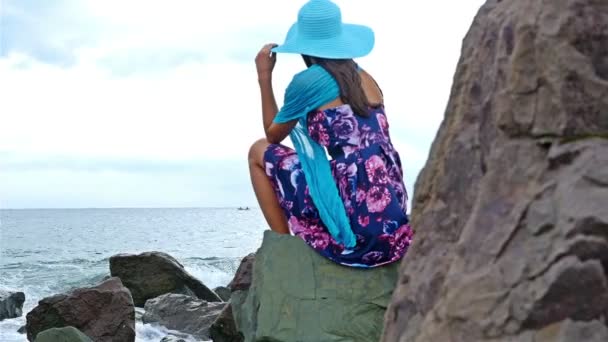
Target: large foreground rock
297,295
183,313
511,209
65,334
105,313
151,274
11,304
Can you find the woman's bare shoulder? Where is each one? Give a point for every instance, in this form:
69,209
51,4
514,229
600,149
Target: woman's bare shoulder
371,88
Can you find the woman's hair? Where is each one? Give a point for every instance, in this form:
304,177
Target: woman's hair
346,74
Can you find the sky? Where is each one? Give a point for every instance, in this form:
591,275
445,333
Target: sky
141,103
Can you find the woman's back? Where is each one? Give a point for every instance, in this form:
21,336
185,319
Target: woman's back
367,171
361,140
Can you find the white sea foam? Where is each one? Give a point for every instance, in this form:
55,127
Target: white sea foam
45,252
144,332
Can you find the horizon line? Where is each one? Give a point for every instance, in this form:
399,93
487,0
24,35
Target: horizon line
153,207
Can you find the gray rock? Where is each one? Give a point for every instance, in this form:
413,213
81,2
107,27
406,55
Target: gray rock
139,312
149,275
11,304
510,210
104,312
298,295
65,334
223,292
22,330
170,338
183,313
224,327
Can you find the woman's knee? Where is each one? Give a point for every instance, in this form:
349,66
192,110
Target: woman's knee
257,150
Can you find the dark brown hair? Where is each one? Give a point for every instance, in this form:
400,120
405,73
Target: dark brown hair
346,73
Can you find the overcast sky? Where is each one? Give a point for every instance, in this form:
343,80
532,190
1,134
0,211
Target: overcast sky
141,103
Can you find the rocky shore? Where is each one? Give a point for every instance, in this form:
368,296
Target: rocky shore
154,283
284,292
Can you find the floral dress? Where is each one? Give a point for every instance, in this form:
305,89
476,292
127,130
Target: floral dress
369,177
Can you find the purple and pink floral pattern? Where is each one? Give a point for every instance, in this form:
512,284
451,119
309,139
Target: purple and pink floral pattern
369,178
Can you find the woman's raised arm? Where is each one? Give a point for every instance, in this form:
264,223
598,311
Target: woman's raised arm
265,61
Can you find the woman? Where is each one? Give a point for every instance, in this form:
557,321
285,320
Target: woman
351,209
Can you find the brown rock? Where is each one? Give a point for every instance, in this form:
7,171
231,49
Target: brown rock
571,331
510,211
105,313
242,277
151,274
224,327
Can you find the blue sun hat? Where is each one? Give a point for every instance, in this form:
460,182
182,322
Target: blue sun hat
320,32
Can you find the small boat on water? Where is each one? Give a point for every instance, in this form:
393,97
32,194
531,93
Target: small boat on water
243,208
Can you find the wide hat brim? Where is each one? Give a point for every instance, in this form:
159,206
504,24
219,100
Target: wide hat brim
353,41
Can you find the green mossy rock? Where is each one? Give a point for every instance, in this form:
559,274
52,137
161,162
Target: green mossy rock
65,334
298,295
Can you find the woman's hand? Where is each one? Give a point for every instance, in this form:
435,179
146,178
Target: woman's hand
265,61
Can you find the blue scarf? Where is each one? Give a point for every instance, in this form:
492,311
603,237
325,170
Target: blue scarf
309,90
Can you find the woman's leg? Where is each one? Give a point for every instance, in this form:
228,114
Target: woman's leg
263,188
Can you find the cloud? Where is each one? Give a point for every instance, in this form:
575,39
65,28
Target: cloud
197,110
28,163
131,37
48,31
130,95
129,62
65,181
70,189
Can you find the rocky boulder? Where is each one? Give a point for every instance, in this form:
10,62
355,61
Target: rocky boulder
298,295
105,313
170,338
511,209
183,313
11,304
65,334
224,328
151,274
223,292
242,277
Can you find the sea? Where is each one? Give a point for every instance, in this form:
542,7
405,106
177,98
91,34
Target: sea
49,251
